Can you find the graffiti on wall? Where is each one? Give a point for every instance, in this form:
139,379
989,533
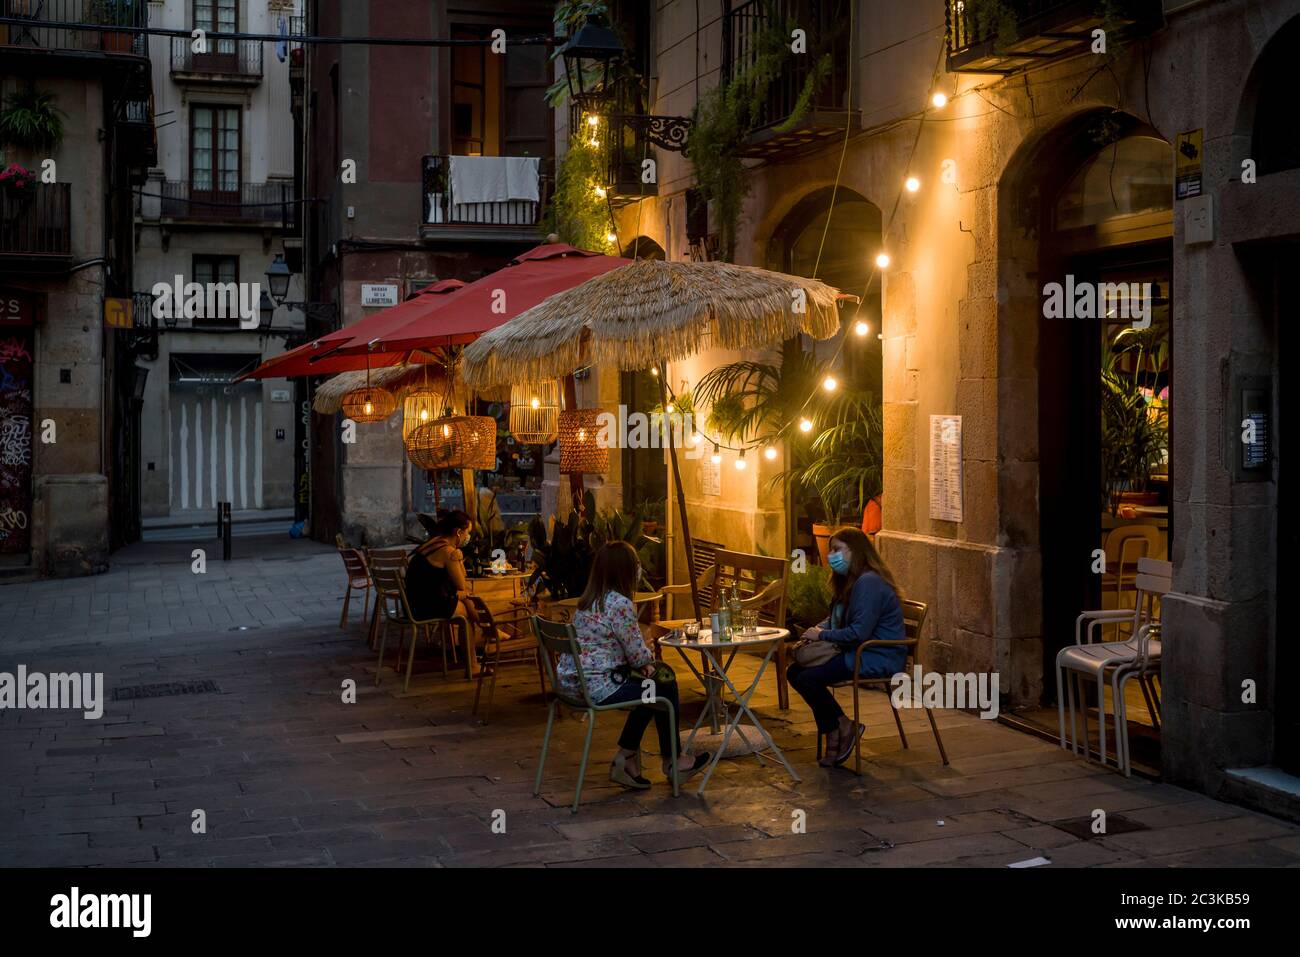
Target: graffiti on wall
15,441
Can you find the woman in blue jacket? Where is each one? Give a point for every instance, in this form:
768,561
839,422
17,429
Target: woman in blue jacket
864,605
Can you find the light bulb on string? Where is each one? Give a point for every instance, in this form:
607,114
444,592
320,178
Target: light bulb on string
654,371
670,408
882,260
805,424
769,453
716,457
912,184
939,100
611,238
695,438
601,192
861,328
830,384
740,461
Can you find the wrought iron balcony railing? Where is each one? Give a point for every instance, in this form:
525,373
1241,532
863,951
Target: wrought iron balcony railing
252,203
37,34
1038,31
234,60
746,27
36,221
441,207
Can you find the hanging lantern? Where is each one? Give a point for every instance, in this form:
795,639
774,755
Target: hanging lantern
422,405
535,412
454,442
579,451
371,404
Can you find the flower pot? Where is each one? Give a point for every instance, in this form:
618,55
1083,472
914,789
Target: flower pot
822,535
872,519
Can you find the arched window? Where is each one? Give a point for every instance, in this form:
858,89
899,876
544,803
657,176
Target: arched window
1275,139
1130,177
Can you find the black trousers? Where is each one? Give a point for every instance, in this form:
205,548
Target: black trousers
813,685
637,722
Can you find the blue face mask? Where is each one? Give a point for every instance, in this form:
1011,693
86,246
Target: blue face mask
839,562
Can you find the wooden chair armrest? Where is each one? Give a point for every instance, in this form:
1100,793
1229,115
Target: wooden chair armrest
770,592
676,589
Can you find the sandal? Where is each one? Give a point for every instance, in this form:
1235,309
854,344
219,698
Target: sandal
701,761
847,746
828,754
618,773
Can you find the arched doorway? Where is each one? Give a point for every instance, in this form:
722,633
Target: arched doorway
1086,235
833,234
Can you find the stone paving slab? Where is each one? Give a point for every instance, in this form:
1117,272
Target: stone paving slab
290,775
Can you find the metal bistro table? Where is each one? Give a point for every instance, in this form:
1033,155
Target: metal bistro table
717,658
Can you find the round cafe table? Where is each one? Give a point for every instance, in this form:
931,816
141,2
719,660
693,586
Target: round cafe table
717,658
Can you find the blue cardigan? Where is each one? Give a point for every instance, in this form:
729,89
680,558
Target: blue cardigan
873,612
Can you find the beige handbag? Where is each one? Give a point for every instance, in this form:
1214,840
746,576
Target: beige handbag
813,652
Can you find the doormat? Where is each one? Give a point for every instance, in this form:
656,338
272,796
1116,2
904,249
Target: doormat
166,689
1081,827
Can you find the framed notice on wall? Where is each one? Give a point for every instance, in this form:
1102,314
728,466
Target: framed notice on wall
710,477
945,468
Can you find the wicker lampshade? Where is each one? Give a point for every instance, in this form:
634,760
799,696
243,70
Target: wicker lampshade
371,404
420,407
454,442
535,412
579,450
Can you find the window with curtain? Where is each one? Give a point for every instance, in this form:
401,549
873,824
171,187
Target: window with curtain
214,149
218,16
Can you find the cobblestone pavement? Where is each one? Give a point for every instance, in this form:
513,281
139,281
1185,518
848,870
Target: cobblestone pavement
288,774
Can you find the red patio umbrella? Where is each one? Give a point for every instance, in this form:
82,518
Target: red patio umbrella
322,356
462,316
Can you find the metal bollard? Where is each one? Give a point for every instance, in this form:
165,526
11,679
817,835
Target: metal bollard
225,538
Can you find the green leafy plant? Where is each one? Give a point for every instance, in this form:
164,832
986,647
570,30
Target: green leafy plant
758,400
724,116
1134,422
564,559
576,213
808,595
30,119
845,464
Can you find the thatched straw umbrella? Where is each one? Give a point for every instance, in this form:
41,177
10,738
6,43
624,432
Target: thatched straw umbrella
648,313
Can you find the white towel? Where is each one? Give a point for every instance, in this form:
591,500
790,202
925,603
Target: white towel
493,179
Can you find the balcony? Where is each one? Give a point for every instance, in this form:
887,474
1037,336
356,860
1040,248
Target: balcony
36,36
252,204
135,124
825,116
444,215
233,62
36,227
1044,30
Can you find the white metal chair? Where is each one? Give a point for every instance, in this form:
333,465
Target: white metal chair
1125,547
1154,578
1098,659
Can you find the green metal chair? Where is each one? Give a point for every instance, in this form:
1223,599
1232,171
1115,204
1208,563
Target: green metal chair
557,638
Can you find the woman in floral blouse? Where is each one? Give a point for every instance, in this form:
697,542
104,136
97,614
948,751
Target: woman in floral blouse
615,659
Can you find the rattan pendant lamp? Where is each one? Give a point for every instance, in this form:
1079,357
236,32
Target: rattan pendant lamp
535,410
452,441
371,404
421,406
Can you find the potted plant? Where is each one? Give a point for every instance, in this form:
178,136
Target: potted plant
1134,418
17,181
845,464
30,119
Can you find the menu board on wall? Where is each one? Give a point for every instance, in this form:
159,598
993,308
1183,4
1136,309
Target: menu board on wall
710,477
945,468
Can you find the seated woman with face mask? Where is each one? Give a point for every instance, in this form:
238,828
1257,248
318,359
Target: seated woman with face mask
865,605
435,574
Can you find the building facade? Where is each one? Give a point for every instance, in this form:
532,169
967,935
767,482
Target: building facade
1157,165
383,127
70,329
218,206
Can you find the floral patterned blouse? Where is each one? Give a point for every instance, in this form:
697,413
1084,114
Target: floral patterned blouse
608,638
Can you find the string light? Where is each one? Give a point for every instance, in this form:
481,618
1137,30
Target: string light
829,383
695,438
805,424
601,192
716,457
671,408
912,184
740,461
861,328
769,453
611,238
654,371
882,260
939,100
